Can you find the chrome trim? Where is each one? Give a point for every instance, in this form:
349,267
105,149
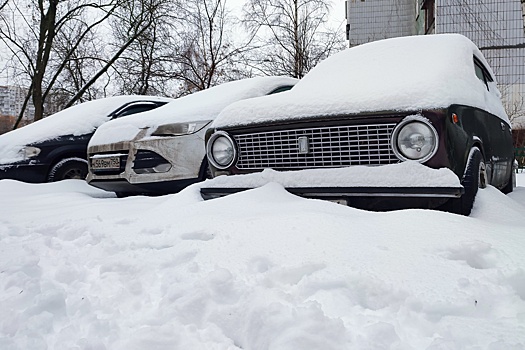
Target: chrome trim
346,192
209,146
329,147
405,121
380,194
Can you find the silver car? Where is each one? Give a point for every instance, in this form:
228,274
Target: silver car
162,151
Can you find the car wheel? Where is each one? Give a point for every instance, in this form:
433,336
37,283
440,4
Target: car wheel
69,168
205,171
475,177
509,187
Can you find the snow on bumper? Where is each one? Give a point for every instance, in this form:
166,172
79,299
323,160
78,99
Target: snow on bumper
408,179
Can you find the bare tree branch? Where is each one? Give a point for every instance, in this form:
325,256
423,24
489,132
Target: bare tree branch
295,31
3,4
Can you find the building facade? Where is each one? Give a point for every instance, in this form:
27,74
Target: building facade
11,101
379,19
497,27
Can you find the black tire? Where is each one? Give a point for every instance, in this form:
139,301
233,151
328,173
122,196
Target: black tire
475,177
205,171
509,187
123,194
68,168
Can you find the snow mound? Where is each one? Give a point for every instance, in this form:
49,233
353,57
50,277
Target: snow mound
262,269
404,174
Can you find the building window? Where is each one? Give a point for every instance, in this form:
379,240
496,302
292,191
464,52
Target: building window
429,6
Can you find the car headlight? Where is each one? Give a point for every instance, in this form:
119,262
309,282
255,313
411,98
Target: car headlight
415,139
221,150
30,152
178,129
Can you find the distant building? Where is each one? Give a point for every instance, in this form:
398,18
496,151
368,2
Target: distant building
11,101
372,20
495,26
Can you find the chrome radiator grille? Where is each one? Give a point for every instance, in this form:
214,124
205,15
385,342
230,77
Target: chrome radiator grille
325,147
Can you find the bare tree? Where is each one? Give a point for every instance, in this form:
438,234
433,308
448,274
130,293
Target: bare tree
30,32
206,54
140,15
295,32
146,67
54,48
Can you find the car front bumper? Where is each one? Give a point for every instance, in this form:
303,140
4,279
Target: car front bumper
394,182
24,171
175,162
334,193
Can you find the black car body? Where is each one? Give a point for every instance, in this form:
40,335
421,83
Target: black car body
454,122
54,148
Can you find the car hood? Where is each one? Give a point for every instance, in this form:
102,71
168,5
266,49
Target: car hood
400,74
77,120
201,106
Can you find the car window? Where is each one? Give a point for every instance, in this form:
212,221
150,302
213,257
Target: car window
482,73
135,108
280,89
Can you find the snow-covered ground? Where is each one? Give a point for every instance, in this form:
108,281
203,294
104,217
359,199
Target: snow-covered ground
262,269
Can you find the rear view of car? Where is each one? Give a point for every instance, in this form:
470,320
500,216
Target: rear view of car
54,148
163,151
404,122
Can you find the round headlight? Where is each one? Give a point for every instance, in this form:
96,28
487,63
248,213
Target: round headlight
415,139
221,150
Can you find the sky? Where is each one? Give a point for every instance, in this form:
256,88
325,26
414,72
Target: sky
337,17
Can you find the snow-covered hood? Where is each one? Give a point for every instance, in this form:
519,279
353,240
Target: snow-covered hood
405,74
77,120
201,106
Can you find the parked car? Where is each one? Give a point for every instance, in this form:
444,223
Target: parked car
54,148
430,100
162,151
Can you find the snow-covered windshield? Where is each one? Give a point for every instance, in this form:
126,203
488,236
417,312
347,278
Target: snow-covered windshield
406,73
202,105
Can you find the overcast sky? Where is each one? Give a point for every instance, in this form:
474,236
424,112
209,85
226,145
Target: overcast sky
337,17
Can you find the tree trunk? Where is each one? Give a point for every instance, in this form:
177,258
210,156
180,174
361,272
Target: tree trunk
45,42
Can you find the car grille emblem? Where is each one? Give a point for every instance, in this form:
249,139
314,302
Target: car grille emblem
304,146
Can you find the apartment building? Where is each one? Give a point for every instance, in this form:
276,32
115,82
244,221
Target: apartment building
11,101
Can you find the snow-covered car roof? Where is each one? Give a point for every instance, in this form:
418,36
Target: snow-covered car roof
405,74
202,105
77,120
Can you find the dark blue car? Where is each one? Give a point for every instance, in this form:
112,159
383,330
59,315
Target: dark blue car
54,148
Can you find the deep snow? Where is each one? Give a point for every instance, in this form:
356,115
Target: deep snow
262,269
404,174
409,73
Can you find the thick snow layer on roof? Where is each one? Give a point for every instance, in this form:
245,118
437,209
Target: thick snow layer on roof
259,270
405,174
77,120
406,73
200,106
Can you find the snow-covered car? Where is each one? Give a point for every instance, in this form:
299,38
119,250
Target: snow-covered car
54,148
409,122
162,151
